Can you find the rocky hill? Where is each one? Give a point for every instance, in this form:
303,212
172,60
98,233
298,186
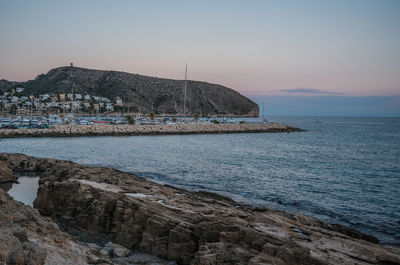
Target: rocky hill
140,93
5,86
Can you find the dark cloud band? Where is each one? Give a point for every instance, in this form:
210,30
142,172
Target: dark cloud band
309,91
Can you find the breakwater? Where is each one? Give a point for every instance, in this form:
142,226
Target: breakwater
126,130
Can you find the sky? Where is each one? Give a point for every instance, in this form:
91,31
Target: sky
331,57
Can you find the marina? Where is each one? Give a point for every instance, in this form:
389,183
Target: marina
42,122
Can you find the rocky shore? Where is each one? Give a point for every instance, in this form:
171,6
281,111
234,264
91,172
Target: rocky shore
125,130
27,238
139,218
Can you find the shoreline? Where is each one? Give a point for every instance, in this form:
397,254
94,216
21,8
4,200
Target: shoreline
196,228
142,130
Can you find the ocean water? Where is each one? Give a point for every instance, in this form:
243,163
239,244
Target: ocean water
341,170
25,190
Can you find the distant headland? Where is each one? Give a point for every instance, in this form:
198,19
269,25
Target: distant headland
82,90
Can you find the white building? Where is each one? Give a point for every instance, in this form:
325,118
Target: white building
78,96
109,106
44,97
19,89
87,97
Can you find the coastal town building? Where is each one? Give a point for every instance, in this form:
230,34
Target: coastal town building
11,103
44,97
118,102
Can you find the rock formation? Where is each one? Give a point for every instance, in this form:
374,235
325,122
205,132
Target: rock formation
6,174
189,227
140,93
28,238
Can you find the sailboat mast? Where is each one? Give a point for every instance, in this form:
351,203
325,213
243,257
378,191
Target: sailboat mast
72,100
184,99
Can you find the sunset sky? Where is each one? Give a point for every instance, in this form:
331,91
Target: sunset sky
340,52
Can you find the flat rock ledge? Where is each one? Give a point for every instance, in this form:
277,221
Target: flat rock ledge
125,130
197,228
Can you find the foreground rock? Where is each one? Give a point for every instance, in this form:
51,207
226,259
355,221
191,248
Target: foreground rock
29,238
6,174
189,228
123,130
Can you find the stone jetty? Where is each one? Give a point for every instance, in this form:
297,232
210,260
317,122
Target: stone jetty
168,129
164,222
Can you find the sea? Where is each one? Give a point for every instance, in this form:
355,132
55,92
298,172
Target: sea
342,170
